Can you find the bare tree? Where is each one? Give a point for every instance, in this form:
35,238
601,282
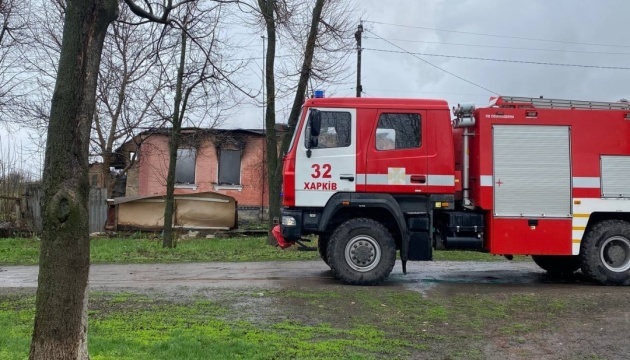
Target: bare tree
202,83
329,37
60,329
45,31
129,82
14,24
268,9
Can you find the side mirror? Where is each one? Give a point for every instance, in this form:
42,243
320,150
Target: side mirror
315,121
314,125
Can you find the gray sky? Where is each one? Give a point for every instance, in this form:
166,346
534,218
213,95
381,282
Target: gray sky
575,30
563,21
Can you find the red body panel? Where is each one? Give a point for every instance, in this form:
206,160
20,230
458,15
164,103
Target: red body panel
366,119
516,237
587,193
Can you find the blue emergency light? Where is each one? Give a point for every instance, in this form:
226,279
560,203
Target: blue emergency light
319,94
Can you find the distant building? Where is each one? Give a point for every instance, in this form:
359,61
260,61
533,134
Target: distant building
230,162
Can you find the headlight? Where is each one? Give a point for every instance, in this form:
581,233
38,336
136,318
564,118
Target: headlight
288,221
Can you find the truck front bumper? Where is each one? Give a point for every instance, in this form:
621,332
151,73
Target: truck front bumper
291,224
277,234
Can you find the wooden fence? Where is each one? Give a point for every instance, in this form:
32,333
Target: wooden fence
32,209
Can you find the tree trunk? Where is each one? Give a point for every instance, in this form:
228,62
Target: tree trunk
173,144
271,144
275,172
305,75
108,180
60,329
169,209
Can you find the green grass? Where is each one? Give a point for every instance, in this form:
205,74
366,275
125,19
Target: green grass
126,251
146,328
26,251
346,322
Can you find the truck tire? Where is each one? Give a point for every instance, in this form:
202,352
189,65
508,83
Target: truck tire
605,252
361,252
557,265
322,246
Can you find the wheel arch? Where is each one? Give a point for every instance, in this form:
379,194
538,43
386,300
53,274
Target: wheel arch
599,216
382,208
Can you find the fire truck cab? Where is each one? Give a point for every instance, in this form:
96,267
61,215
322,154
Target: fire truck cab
522,176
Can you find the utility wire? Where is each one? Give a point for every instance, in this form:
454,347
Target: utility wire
253,58
498,36
504,60
505,47
433,65
426,92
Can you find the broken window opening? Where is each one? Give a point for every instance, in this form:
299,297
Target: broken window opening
229,167
185,166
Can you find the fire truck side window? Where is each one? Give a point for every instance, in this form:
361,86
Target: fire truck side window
334,131
398,131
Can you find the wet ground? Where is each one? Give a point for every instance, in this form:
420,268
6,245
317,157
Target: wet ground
496,310
278,275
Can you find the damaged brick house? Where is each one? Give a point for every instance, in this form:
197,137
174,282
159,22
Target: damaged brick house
230,162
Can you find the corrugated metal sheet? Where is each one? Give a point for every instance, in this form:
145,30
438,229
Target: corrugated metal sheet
616,176
98,209
532,171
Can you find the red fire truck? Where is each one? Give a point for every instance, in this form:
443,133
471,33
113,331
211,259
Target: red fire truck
522,176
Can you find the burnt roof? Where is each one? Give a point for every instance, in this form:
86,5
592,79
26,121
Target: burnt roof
190,130
118,159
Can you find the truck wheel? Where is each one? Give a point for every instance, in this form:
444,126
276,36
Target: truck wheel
361,252
605,253
557,265
322,246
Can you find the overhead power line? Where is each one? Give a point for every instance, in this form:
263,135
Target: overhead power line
255,58
505,47
504,60
433,65
498,36
427,92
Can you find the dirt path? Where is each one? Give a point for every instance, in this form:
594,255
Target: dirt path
274,275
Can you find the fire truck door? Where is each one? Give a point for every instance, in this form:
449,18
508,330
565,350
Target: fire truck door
532,171
397,153
331,166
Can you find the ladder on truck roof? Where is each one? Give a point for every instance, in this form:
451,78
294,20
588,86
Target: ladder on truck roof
515,101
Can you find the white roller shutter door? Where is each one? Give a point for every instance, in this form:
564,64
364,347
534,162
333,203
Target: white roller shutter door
532,171
616,176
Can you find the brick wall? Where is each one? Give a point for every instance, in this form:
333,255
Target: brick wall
153,167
